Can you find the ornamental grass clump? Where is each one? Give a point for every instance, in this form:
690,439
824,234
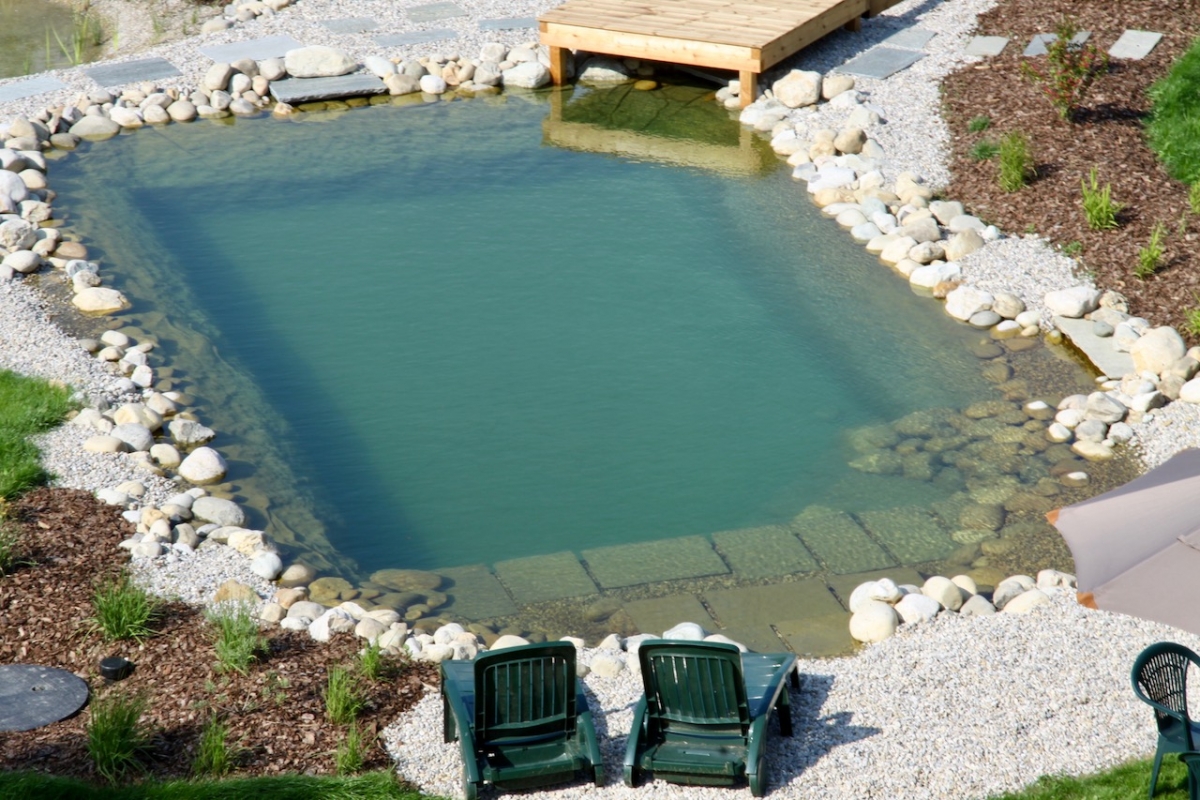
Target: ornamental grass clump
1016,163
116,738
342,698
213,754
238,640
123,609
1150,256
1098,205
1071,69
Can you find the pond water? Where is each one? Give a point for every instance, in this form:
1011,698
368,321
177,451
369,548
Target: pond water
37,35
543,345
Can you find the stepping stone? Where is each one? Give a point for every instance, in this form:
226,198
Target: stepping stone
843,585
818,637
910,533
986,45
306,90
1037,45
663,613
764,552
650,562
540,578
910,38
1099,350
146,69
258,49
838,541
475,593
1134,45
880,62
507,23
33,696
350,25
415,37
29,88
435,11
763,605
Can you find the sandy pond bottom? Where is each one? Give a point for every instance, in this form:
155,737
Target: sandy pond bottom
591,357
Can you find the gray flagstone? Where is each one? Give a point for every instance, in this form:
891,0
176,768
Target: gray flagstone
507,23
258,49
434,11
414,37
910,38
30,87
350,25
145,69
1134,45
1037,45
306,90
986,45
880,62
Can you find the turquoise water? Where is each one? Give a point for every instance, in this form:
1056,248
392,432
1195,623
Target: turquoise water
469,344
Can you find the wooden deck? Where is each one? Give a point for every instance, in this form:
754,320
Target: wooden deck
748,36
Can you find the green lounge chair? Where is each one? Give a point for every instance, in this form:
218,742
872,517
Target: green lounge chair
1192,760
1160,679
520,717
703,718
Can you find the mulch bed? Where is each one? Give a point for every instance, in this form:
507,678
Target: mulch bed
276,712
1106,133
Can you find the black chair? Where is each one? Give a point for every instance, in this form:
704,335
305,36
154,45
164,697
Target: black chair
1160,680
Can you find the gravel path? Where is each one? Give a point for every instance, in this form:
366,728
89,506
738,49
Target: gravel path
960,707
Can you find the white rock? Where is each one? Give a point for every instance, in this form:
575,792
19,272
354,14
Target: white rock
379,66
1010,587
431,84
100,300
1073,302
944,591
370,629
720,639
966,583
508,640
529,75
930,275
607,664
267,566
914,608
861,594
1052,578
219,511
610,642
977,606
686,631
965,301
798,88
147,548
1026,602
603,69
1157,349
305,610
1190,392
318,61
963,244
325,626
203,465
873,622
446,633
897,249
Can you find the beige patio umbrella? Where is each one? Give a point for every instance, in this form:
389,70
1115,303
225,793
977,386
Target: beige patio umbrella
1137,547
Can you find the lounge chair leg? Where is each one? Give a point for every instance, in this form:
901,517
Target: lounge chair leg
1154,772
784,709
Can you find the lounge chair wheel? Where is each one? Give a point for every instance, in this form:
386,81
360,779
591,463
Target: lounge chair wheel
598,775
632,777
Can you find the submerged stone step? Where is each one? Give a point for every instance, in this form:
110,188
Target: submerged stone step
663,613
144,69
536,579
817,637
838,541
753,605
306,90
910,533
651,562
764,552
475,593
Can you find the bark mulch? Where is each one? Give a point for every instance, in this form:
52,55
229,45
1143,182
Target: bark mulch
1106,133
275,713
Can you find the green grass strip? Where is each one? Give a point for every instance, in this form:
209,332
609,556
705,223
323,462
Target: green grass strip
27,406
370,786
1174,126
1129,781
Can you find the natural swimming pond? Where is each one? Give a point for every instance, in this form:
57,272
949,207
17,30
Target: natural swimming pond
553,347
37,35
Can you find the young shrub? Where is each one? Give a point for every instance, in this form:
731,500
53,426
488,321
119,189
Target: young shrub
349,757
1098,205
116,737
1150,256
1191,318
1016,163
983,150
979,124
213,755
238,639
124,610
1070,69
342,699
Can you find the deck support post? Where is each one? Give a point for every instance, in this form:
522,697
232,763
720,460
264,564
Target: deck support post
749,83
558,64
854,25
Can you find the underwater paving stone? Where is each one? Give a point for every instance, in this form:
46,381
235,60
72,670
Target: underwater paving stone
880,62
258,49
757,638
1098,349
537,579
649,562
764,605
475,593
663,613
823,636
910,533
844,585
433,11
838,541
145,69
764,552
29,88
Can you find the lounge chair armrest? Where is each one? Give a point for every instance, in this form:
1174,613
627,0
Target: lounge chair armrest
587,729
453,703
1170,712
758,741
636,734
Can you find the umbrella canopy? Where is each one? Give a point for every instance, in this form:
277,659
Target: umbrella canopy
1137,548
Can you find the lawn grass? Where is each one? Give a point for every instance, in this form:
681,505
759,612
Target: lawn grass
27,406
1130,781
370,786
1174,126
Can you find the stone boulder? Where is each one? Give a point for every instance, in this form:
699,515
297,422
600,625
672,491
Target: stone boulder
318,61
1157,350
508,640
686,631
914,608
95,128
1073,302
603,69
798,88
188,432
16,234
138,437
203,465
219,511
22,261
977,606
528,75
267,566
966,301
399,84
100,300
963,244
874,621
944,591
1026,601
235,592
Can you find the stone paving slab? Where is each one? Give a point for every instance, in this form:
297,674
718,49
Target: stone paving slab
1134,45
306,90
350,24
30,87
536,579
435,11
838,541
1099,350
145,69
764,552
650,562
475,593
32,696
762,605
910,38
843,585
912,534
1037,45
258,49
663,613
415,37
986,45
880,62
757,638
507,23
817,637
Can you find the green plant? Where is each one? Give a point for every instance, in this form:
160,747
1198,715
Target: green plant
1016,163
1098,205
372,662
116,737
349,757
1071,69
10,542
85,34
1191,318
1194,197
1173,127
123,609
1150,256
342,698
1072,249
983,150
238,639
27,406
979,124
213,755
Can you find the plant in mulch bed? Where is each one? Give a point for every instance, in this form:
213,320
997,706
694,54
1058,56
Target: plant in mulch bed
1098,205
10,540
238,640
124,610
1191,318
984,150
1016,163
1150,256
1071,69
343,698
349,757
116,738
979,124
1194,197
214,756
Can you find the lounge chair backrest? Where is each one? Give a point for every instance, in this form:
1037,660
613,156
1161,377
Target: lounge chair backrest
1160,677
694,685
525,693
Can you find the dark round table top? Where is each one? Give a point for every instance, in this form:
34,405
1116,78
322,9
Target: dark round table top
33,696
